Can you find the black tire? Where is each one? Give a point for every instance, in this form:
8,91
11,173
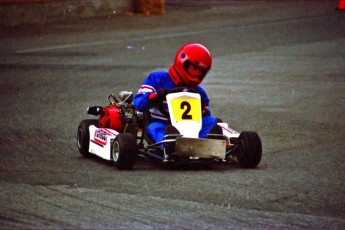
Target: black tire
219,120
124,151
250,148
83,136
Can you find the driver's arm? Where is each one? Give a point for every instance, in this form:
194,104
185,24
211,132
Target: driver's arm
143,99
205,102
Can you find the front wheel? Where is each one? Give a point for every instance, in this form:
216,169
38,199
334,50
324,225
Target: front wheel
124,151
250,149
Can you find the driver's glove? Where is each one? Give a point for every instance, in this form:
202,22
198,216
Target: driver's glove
158,97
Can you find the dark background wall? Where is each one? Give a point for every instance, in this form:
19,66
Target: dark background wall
18,12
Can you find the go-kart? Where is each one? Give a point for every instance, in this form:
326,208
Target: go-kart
119,134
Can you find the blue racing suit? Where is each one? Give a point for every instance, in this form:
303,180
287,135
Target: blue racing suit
156,129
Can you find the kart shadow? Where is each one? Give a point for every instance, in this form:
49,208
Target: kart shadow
197,167
145,164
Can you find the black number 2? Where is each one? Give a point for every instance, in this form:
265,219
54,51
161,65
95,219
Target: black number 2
185,115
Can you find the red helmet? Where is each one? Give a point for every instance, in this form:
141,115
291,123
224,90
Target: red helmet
192,62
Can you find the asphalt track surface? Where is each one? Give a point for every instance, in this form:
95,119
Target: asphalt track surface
278,70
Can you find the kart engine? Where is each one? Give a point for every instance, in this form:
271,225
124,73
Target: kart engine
119,115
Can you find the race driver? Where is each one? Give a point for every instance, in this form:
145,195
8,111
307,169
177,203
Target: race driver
192,63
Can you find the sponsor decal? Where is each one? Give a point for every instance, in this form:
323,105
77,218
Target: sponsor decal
231,131
102,134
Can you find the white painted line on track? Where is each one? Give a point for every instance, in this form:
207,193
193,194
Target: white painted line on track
75,45
173,35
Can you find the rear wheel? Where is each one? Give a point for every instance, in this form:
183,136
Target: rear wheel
124,151
250,148
83,136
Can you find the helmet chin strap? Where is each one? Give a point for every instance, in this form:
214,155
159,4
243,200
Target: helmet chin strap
176,77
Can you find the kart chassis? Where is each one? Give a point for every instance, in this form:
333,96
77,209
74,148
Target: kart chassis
123,146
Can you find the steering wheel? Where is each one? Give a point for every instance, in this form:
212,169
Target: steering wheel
175,90
112,99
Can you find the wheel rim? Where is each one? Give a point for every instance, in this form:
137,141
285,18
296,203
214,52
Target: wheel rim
116,152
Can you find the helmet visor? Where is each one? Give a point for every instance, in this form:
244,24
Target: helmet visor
194,71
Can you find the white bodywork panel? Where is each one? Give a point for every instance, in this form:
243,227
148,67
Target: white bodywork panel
227,131
185,113
101,140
